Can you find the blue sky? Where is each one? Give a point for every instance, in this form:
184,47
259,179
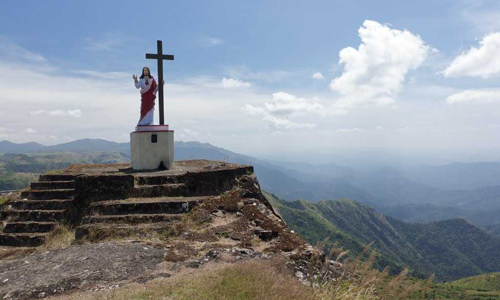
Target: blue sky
257,76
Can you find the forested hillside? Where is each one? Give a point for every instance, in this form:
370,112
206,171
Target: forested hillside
450,249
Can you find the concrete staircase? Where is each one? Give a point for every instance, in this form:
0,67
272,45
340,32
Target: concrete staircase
27,221
101,199
157,202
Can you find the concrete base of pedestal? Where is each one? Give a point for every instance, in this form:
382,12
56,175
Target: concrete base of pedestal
149,149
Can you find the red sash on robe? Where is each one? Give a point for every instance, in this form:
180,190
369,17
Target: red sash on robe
148,99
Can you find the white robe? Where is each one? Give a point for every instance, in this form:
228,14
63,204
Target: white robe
150,116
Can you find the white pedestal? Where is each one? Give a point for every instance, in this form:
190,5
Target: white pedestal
149,148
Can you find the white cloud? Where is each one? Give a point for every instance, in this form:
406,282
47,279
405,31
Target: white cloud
348,130
375,72
30,130
231,83
211,41
285,104
58,113
269,76
475,96
107,42
318,75
280,123
252,110
190,132
11,51
103,75
482,14
481,62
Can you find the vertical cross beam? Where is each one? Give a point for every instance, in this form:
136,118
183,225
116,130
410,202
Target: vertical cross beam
159,58
160,81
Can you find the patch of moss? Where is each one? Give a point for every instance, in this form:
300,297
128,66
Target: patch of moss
3,200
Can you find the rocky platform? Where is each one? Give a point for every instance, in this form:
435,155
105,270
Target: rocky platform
95,195
132,227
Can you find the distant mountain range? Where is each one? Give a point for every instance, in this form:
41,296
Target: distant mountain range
78,146
427,193
9,147
450,249
456,176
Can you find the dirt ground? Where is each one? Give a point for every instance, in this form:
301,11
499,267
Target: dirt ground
84,266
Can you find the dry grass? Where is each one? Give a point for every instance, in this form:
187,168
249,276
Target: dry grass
62,236
269,280
361,281
244,281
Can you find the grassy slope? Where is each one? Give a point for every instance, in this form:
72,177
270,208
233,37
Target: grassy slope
485,282
450,249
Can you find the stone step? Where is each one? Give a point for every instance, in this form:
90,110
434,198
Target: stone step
48,194
164,190
56,204
160,179
22,239
32,215
29,227
102,231
163,205
52,185
57,177
132,219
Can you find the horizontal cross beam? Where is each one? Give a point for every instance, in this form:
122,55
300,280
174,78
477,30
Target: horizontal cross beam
163,56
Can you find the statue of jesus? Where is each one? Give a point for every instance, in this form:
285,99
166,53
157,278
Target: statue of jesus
149,88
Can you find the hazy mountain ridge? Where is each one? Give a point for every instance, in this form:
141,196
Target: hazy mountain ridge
467,176
9,147
389,190
451,249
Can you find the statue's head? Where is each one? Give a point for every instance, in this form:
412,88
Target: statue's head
146,72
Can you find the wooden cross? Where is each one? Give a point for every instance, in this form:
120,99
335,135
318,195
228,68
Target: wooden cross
160,57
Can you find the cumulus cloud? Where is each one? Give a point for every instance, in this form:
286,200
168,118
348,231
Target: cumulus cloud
280,123
481,62
475,96
231,83
58,113
30,130
277,113
287,104
318,75
375,72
